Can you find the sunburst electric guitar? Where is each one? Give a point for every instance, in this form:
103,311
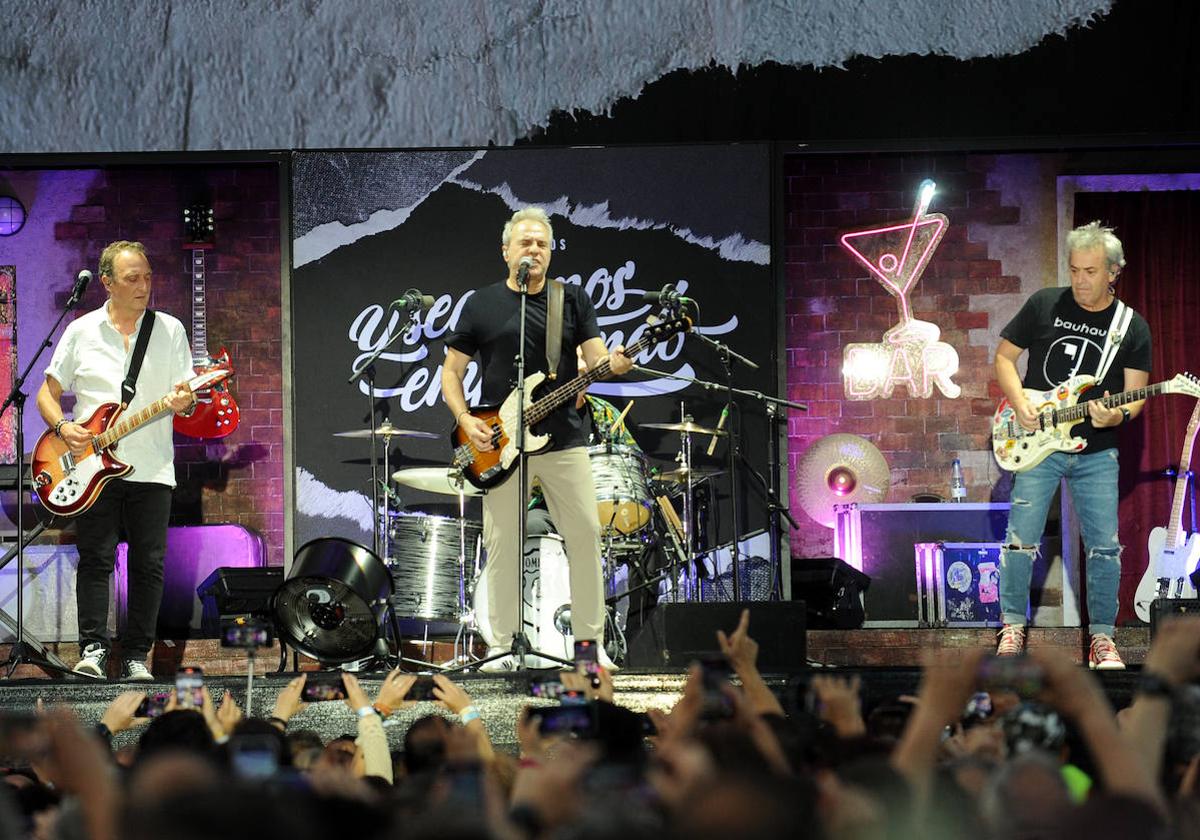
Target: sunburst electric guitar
1060,409
488,469
1173,552
217,413
68,485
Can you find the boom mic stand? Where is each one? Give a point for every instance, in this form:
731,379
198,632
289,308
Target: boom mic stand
22,651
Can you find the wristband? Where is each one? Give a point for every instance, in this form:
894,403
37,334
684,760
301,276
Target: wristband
365,711
58,427
529,762
1150,684
383,708
468,714
1125,415
275,719
460,414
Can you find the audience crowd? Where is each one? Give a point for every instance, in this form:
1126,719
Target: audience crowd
1020,748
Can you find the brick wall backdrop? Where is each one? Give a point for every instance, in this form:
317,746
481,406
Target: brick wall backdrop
832,301
238,479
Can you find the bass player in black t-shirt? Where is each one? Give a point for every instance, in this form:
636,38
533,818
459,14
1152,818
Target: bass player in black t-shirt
488,326
1066,333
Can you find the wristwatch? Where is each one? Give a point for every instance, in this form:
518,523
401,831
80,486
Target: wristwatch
1125,415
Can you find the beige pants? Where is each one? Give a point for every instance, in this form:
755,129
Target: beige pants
566,479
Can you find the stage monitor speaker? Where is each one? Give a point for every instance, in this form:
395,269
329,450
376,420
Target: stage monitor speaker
833,591
1162,609
674,635
232,590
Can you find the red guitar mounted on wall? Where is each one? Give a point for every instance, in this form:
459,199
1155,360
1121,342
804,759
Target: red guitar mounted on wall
217,413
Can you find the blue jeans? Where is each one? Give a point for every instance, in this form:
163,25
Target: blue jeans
1092,481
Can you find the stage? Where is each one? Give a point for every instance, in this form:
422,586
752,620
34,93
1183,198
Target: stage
888,662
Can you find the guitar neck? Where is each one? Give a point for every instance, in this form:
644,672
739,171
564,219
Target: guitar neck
542,408
1079,410
199,320
131,423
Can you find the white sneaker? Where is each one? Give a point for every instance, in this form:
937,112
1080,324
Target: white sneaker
503,664
606,663
95,657
136,671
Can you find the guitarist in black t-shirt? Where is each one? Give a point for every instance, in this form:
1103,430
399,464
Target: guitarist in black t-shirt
1066,332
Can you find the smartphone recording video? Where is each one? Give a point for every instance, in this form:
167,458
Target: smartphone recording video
189,688
578,720
153,705
715,703
587,660
422,689
1018,674
254,756
245,632
318,689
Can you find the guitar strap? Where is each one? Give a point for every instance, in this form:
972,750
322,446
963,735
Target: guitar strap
554,326
129,386
1116,332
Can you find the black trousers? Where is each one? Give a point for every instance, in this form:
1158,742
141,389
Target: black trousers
139,512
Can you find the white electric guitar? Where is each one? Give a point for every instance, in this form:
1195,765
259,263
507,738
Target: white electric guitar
1058,410
1173,552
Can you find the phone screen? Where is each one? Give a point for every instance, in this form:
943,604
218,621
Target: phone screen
189,688
587,660
153,705
714,672
422,689
321,689
253,756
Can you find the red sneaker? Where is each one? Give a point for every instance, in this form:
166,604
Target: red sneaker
1103,655
1012,640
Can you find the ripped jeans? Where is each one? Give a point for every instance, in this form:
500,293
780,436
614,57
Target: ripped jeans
1092,481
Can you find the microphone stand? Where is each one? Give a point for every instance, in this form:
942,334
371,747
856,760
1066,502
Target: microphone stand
22,651
775,507
367,369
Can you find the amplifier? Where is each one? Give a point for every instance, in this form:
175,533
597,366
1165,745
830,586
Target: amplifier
1162,609
676,634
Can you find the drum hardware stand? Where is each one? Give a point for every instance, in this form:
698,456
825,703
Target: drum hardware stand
22,650
520,648
776,416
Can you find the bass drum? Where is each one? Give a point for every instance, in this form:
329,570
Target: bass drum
547,600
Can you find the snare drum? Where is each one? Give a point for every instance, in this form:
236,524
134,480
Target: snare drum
547,599
424,551
623,496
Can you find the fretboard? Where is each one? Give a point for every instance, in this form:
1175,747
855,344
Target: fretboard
1079,410
1175,523
130,423
199,322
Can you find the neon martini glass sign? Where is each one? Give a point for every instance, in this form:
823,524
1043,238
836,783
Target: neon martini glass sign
910,353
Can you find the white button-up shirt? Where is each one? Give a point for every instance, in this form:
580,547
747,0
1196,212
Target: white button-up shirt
91,362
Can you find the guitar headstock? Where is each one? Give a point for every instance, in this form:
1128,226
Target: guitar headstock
198,225
1183,383
659,330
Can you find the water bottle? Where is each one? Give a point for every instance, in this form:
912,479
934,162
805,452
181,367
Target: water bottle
958,488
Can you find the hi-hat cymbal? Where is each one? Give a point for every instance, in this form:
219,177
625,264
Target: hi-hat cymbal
687,426
680,474
433,480
386,430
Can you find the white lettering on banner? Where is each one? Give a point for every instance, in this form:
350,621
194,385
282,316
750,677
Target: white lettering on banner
608,292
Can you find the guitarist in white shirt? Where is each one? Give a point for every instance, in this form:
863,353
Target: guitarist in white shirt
1065,332
91,361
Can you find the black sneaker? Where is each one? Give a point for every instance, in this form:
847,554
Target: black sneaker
95,657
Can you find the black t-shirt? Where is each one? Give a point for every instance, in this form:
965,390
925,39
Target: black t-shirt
490,326
1066,340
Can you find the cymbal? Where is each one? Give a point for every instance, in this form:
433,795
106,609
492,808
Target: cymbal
387,430
680,474
433,480
689,427
840,469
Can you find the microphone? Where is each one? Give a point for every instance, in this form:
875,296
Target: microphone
669,296
523,270
414,300
81,283
712,446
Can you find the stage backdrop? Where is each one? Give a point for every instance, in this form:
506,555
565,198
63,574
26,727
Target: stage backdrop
368,226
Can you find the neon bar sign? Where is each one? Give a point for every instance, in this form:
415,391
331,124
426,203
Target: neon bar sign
910,353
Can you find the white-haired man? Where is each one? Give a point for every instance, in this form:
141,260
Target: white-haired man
1065,332
489,326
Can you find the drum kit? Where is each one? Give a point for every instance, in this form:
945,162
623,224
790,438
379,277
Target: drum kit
436,561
